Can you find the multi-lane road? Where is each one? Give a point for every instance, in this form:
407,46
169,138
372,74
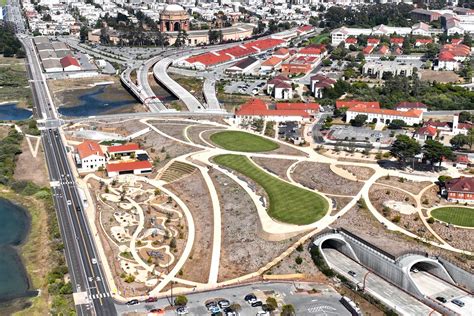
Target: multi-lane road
91,291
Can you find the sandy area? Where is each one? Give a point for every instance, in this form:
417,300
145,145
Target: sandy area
31,168
275,166
361,173
320,177
193,191
243,251
413,187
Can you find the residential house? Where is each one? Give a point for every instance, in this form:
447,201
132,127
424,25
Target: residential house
385,116
460,190
89,157
280,88
318,83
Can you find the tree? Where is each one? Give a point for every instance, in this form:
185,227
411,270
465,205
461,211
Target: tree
181,300
470,137
83,33
434,151
464,116
459,141
271,303
340,112
215,36
288,310
397,124
359,120
181,38
404,148
467,39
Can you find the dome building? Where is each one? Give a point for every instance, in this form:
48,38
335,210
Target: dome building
174,18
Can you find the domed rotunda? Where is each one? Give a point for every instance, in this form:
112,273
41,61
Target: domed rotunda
174,18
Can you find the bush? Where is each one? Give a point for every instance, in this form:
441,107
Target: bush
430,220
298,260
271,303
396,219
181,300
129,278
300,248
320,262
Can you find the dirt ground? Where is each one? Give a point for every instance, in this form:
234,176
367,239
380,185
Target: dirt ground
243,251
413,187
361,173
430,198
194,131
79,83
320,177
456,237
193,191
340,202
275,166
439,76
4,130
361,223
172,128
379,195
30,168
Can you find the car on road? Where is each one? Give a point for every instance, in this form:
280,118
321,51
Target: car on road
157,311
414,270
229,312
457,302
263,313
352,273
441,299
256,304
151,299
132,302
69,202
94,261
182,310
224,303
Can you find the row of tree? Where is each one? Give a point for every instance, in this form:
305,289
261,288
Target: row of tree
407,149
10,46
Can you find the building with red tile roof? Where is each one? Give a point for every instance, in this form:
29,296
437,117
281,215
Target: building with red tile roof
460,189
70,63
237,51
272,63
398,41
208,59
317,50
423,41
318,83
125,148
264,44
368,50
90,156
282,53
351,40
373,41
300,64
424,133
456,41
385,116
129,167
405,106
352,103
383,50
281,112
304,29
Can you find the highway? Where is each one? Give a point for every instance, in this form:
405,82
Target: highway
389,294
434,287
91,292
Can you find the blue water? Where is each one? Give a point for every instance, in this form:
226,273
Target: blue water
14,229
91,104
10,112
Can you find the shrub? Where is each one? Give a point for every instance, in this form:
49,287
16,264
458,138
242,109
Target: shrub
396,219
181,300
271,303
129,278
298,260
299,248
430,220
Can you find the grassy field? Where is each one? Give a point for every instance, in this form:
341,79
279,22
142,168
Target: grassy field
462,216
14,82
3,3
288,203
242,141
318,39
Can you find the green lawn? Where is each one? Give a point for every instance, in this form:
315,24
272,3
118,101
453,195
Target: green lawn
318,38
3,3
288,203
462,216
242,141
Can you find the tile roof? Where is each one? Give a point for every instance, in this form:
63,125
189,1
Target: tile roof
397,40
297,106
352,103
237,51
368,49
462,184
272,61
305,28
351,40
209,59
264,44
89,148
257,107
427,130
123,148
312,50
129,165
244,63
302,60
69,61
410,113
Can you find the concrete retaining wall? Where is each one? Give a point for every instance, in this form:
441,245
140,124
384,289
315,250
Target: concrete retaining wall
459,276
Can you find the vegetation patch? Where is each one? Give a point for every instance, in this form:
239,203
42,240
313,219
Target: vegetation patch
288,203
461,216
242,141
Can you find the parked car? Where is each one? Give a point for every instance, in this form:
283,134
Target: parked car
182,310
157,311
352,273
214,309
210,304
132,302
151,299
250,298
441,299
224,303
257,304
458,302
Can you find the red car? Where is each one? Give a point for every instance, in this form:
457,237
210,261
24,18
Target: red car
157,311
151,299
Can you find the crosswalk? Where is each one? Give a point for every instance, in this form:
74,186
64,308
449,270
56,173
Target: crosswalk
323,309
100,295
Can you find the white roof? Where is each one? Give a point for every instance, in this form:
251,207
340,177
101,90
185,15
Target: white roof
173,8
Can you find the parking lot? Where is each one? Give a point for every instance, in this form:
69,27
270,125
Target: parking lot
324,302
289,130
245,87
359,134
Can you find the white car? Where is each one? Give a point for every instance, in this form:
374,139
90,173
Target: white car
69,202
94,261
263,313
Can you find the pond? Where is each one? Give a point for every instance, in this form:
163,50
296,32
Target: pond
11,112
